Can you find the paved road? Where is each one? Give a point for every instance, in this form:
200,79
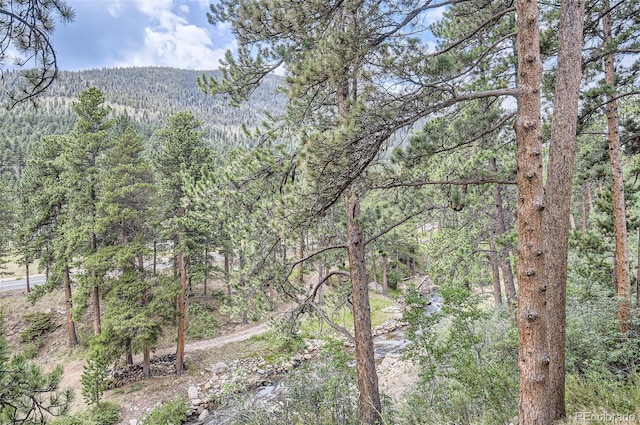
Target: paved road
9,284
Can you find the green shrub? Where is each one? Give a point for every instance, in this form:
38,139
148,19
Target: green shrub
172,412
40,323
202,324
105,414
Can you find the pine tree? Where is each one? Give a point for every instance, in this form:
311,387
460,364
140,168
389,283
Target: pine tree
95,377
23,386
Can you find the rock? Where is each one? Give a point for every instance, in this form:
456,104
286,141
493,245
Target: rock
203,414
192,392
207,386
219,368
260,371
196,401
133,422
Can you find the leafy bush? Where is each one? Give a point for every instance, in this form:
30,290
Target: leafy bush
40,323
105,414
469,363
172,412
202,324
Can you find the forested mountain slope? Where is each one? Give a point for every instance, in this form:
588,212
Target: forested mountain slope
147,94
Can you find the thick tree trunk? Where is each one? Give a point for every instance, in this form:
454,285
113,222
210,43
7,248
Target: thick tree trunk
617,185
71,326
557,215
533,351
182,313
495,271
369,397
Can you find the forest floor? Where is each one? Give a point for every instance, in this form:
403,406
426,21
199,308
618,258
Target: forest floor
233,341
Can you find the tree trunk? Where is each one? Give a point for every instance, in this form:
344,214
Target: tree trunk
617,185
557,214
226,272
369,397
95,298
155,257
128,352
146,361
533,351
71,326
503,253
385,275
495,271
638,275
182,313
585,214
206,270
301,255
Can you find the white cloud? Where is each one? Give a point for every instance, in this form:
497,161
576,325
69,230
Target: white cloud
170,40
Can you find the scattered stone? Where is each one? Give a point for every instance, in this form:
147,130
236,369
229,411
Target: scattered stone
133,422
219,368
196,401
192,392
203,414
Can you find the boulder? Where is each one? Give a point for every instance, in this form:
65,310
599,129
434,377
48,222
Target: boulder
192,392
219,368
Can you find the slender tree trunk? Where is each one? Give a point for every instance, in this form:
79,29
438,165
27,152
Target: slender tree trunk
146,361
369,397
26,267
638,276
495,271
503,253
129,353
71,326
617,185
226,272
155,257
585,214
182,313
385,275
557,214
95,298
206,270
320,277
301,255
533,351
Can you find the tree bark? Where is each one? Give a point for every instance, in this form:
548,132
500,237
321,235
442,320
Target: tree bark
182,313
369,397
71,326
301,255
617,186
227,270
557,214
533,352
495,271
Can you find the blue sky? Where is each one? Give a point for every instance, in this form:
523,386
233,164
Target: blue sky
120,33
110,33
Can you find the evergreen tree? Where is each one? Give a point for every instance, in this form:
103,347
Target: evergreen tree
95,377
28,27
28,395
83,155
179,158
